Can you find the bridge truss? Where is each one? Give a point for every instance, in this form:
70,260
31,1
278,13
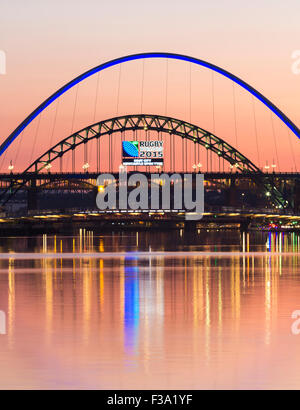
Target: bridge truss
149,122
146,122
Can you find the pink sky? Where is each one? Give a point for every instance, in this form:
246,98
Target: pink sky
49,43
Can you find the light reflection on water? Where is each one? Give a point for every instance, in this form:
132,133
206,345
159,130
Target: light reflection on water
159,322
177,240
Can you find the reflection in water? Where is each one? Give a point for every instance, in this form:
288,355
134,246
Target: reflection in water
151,322
11,301
178,240
131,309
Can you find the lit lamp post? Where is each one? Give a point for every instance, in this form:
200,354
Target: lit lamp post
243,197
267,167
273,167
10,167
86,167
194,167
199,165
48,167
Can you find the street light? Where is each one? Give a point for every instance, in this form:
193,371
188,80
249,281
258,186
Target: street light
48,167
273,166
243,202
11,167
194,167
86,166
199,165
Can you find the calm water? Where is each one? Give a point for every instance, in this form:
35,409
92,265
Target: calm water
161,310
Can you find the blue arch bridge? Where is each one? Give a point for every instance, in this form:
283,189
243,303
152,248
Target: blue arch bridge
237,194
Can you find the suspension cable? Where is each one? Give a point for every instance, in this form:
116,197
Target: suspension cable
118,90
182,152
96,97
18,148
166,90
142,86
112,142
98,154
35,137
74,109
275,141
54,122
292,151
213,102
234,112
94,120
190,110
213,110
72,128
256,132
206,159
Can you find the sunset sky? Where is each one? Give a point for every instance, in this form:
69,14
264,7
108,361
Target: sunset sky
49,43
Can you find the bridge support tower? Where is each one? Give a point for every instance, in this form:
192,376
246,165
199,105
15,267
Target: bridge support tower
32,196
297,197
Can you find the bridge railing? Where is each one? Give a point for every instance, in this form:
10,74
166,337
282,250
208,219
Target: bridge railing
208,210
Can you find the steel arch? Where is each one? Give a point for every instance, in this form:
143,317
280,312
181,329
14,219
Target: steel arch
159,123
147,122
138,56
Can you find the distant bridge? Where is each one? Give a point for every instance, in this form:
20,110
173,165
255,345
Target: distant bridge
148,122
227,189
56,220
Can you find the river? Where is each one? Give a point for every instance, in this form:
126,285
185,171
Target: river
150,310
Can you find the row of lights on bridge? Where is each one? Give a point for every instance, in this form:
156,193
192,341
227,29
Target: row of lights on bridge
267,167
194,166
49,166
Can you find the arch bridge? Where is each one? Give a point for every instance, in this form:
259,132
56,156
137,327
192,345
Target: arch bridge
150,122
159,123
